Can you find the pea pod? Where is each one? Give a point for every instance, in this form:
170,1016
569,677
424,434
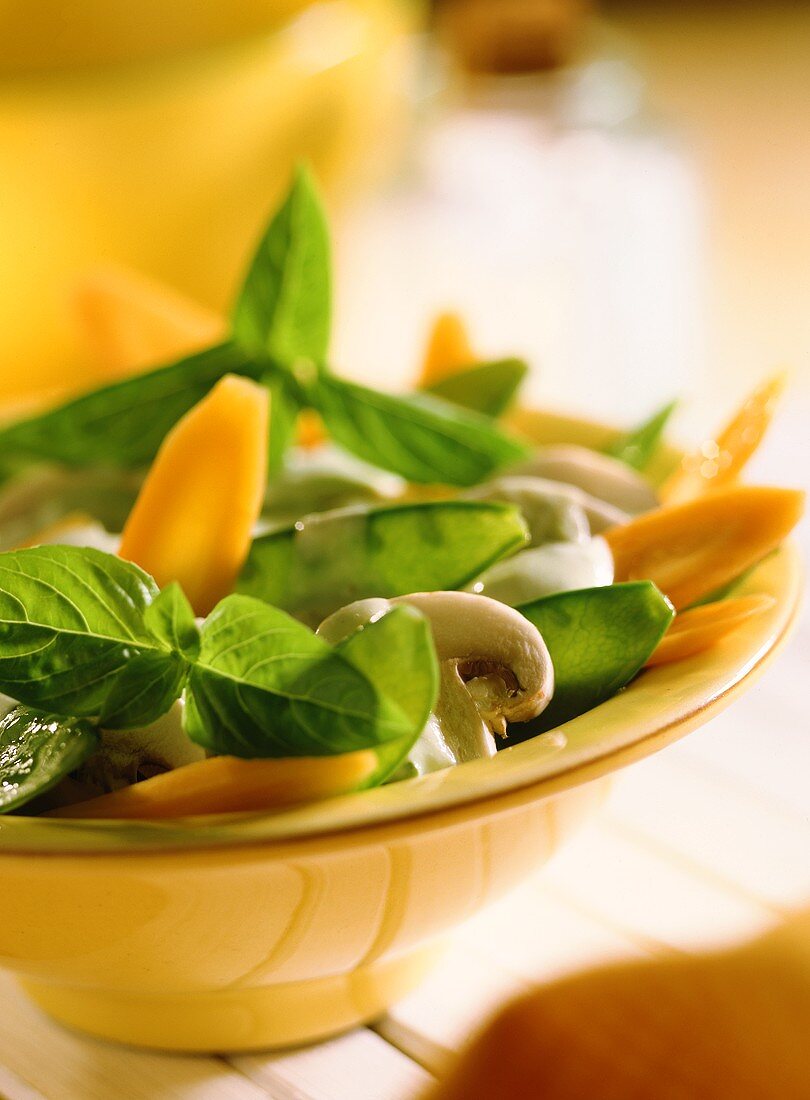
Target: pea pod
598,639
331,559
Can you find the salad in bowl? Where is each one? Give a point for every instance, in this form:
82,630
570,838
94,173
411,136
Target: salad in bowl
241,582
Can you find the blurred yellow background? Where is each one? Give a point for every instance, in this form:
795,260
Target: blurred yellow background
158,135
735,80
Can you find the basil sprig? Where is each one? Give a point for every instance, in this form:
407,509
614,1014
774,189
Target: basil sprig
87,640
279,335
420,437
75,640
284,308
265,685
123,424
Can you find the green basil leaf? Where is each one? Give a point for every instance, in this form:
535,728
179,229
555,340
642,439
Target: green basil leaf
37,751
171,620
420,437
284,307
264,685
396,653
123,424
73,639
636,448
487,388
330,559
598,639
143,690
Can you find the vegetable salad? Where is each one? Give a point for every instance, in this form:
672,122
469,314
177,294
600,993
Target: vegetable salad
241,581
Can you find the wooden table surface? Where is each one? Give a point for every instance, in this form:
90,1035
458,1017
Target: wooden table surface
700,845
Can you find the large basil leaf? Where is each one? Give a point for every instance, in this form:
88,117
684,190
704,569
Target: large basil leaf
123,424
284,307
330,559
74,641
264,685
598,639
396,653
420,437
487,388
37,751
637,447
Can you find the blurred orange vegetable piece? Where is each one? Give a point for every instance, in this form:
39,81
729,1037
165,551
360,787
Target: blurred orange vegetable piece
194,517
130,323
448,350
718,462
730,1025
310,429
228,784
690,550
700,627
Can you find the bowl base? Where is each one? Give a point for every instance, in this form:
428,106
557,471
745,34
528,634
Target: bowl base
241,1019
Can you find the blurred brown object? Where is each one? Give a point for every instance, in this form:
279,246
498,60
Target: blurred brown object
727,1026
512,36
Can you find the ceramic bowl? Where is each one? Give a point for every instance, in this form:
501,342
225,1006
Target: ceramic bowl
262,930
158,135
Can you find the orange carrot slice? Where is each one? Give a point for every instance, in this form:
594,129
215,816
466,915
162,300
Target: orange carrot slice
194,517
228,784
691,549
130,323
700,627
719,461
310,429
448,350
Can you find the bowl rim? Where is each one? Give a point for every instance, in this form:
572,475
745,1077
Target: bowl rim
661,705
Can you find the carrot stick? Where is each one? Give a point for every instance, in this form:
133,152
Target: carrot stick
691,549
193,519
228,784
719,461
696,629
448,350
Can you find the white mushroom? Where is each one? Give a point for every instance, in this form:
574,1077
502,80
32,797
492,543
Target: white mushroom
544,570
494,669
126,756
600,475
554,511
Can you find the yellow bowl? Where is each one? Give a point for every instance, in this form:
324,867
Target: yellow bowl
159,135
264,930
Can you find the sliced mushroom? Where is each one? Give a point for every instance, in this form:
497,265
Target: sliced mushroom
600,475
544,570
127,756
494,668
554,511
